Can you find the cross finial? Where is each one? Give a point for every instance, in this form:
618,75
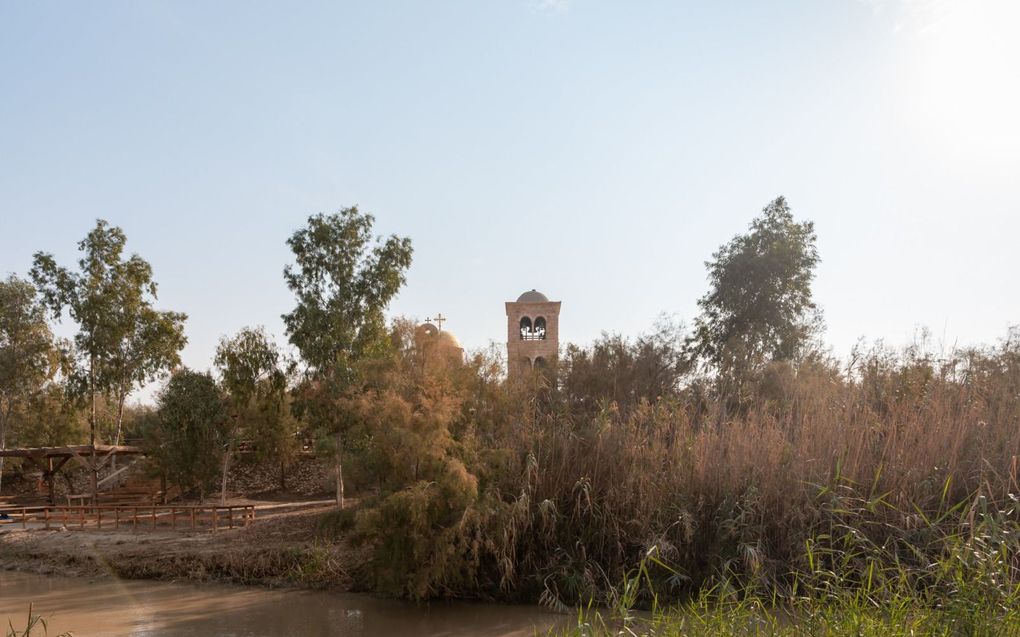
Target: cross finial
440,319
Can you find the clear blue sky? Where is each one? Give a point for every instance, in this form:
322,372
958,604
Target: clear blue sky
597,151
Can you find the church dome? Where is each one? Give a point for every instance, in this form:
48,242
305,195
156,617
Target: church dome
429,334
426,330
532,296
449,340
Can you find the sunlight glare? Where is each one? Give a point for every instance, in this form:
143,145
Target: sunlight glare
963,75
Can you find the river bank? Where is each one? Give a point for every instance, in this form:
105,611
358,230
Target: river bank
113,607
278,552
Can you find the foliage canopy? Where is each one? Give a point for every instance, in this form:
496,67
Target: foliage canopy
760,307
28,355
122,342
186,435
343,282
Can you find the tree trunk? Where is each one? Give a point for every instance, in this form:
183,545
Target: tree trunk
92,428
50,483
223,486
120,415
3,446
283,476
228,449
92,395
95,477
120,419
339,472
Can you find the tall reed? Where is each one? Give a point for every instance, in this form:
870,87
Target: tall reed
885,466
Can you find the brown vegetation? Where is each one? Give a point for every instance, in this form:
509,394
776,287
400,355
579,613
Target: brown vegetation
521,498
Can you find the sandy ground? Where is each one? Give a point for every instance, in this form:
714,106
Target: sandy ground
279,549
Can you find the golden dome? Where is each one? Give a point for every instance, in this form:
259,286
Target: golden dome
430,334
449,340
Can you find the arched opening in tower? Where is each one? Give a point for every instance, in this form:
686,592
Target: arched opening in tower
539,331
525,328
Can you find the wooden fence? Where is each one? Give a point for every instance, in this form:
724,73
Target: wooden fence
142,517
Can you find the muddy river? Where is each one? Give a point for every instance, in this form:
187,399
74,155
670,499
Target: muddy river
162,609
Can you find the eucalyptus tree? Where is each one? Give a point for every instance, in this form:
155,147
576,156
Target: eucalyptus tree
28,355
122,342
760,307
343,278
146,346
251,372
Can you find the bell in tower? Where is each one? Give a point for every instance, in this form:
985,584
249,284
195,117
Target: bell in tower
533,332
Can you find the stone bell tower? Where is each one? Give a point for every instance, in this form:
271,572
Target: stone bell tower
533,332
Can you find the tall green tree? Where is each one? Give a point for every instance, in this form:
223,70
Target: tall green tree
250,368
188,430
343,278
28,355
122,342
759,307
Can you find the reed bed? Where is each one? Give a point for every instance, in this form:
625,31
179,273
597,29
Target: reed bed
852,497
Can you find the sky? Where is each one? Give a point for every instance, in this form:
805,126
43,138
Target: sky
597,151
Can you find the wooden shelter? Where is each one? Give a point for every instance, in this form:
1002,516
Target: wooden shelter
51,460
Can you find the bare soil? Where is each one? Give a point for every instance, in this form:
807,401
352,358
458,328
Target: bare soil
280,548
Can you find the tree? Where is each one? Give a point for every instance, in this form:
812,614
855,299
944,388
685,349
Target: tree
147,347
343,279
28,356
617,370
184,437
759,308
122,342
411,405
250,372
48,419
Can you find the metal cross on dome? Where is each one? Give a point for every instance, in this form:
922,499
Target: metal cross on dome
439,319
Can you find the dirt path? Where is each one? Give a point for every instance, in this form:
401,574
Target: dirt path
279,549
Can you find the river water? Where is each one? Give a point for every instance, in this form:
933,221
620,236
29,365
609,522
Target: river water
107,608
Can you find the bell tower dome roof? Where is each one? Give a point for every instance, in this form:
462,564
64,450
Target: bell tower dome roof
532,296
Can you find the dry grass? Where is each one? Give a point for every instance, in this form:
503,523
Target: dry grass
896,449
